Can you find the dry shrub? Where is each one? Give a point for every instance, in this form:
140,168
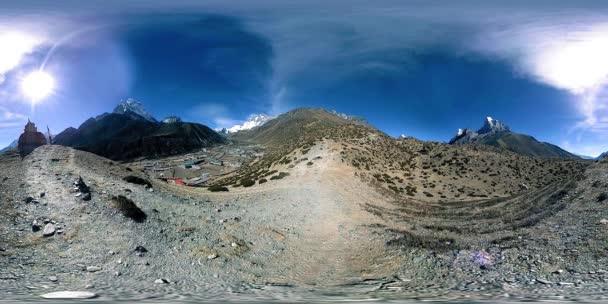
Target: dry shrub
137,180
218,188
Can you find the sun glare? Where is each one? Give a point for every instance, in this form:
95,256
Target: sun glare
14,46
37,85
578,63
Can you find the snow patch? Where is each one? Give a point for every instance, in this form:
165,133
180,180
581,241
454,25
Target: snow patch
133,106
254,120
171,119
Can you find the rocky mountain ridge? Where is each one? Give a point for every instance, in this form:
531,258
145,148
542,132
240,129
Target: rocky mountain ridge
496,133
490,126
130,132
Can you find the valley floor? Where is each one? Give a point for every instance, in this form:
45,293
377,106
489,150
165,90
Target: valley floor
319,233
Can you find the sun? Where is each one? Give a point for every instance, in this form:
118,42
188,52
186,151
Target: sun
37,85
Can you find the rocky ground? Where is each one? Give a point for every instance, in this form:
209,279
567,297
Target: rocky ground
319,233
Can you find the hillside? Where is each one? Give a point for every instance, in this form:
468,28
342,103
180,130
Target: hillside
292,127
321,227
406,168
526,145
341,207
495,133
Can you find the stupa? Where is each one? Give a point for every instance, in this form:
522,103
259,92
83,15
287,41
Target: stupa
30,139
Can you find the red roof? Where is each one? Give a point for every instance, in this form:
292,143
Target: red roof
177,181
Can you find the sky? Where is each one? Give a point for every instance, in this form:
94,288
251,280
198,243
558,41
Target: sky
419,68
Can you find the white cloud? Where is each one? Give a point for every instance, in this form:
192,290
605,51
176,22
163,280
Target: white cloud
5,115
568,55
223,122
217,113
278,101
14,46
559,43
563,44
210,109
10,123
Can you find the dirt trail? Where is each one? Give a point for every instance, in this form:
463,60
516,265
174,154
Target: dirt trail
317,214
334,242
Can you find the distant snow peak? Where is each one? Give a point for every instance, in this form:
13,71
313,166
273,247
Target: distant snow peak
171,119
353,118
10,146
133,106
343,115
254,120
490,126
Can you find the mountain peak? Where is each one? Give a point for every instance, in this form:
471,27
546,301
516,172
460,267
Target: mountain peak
492,125
132,106
495,133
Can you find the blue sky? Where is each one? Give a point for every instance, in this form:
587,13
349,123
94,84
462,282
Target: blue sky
421,68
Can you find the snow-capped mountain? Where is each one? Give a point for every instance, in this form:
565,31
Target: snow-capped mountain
12,145
493,125
497,134
132,106
490,126
254,120
171,119
353,118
